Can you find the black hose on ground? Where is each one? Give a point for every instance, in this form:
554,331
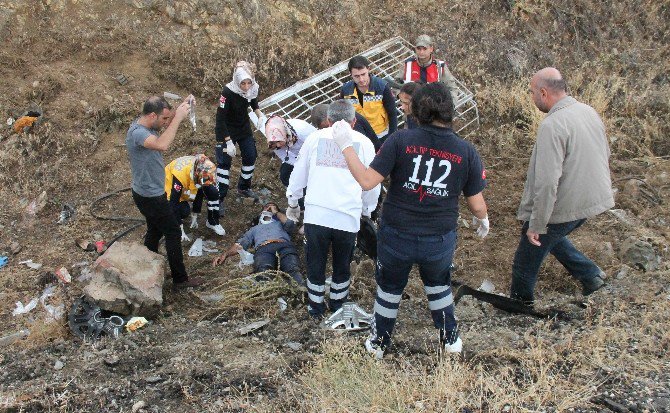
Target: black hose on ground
93,209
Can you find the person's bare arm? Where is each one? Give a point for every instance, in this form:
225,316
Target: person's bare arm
477,205
163,142
233,250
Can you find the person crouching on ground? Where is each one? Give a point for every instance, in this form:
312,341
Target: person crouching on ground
430,166
190,178
270,238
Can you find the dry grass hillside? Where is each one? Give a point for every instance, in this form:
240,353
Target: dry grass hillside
608,354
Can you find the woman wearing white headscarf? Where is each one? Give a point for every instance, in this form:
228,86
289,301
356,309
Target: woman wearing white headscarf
233,126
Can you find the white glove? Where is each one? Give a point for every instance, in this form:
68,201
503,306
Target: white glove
260,123
293,213
194,221
342,134
184,237
483,226
230,148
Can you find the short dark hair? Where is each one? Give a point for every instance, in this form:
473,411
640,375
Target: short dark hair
319,114
433,102
555,85
155,104
409,88
358,62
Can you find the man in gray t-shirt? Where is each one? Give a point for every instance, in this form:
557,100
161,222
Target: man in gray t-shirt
145,146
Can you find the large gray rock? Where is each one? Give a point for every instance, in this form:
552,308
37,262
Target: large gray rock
128,279
639,253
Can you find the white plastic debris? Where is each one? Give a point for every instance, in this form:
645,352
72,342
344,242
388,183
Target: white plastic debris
283,305
246,258
22,309
54,312
487,286
31,264
209,246
196,248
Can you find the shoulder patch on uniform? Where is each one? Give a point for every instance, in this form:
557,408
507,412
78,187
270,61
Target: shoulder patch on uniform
222,101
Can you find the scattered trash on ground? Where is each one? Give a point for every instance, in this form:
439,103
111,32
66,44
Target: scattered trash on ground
55,312
37,204
85,244
66,214
246,258
23,309
122,79
349,317
25,123
255,326
88,322
63,275
14,337
31,264
196,248
3,261
135,323
100,246
209,246
283,305
487,286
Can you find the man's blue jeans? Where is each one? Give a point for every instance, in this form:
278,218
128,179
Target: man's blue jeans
397,252
528,259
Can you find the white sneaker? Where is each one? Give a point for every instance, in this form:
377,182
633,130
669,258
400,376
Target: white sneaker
217,228
375,349
456,347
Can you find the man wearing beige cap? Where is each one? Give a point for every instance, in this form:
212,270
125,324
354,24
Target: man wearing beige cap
424,68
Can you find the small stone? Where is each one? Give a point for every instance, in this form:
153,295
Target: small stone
112,361
36,83
294,346
154,379
139,405
59,365
15,248
109,98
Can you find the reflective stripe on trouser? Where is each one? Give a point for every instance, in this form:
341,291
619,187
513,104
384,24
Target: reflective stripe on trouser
213,212
441,305
223,162
339,291
397,252
319,241
315,296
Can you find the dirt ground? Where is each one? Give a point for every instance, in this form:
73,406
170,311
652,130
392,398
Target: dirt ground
66,58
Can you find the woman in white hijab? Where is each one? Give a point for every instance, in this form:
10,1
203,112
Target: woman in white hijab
233,127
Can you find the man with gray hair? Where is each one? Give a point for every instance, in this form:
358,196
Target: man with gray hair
568,181
334,203
319,118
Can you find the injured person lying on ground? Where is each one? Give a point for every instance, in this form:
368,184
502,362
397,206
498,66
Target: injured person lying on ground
270,238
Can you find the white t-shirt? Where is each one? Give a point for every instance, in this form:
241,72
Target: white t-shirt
334,199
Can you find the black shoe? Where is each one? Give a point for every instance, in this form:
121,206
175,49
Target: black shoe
192,282
592,285
248,193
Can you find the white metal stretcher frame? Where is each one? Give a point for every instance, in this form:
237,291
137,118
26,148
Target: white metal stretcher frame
297,101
